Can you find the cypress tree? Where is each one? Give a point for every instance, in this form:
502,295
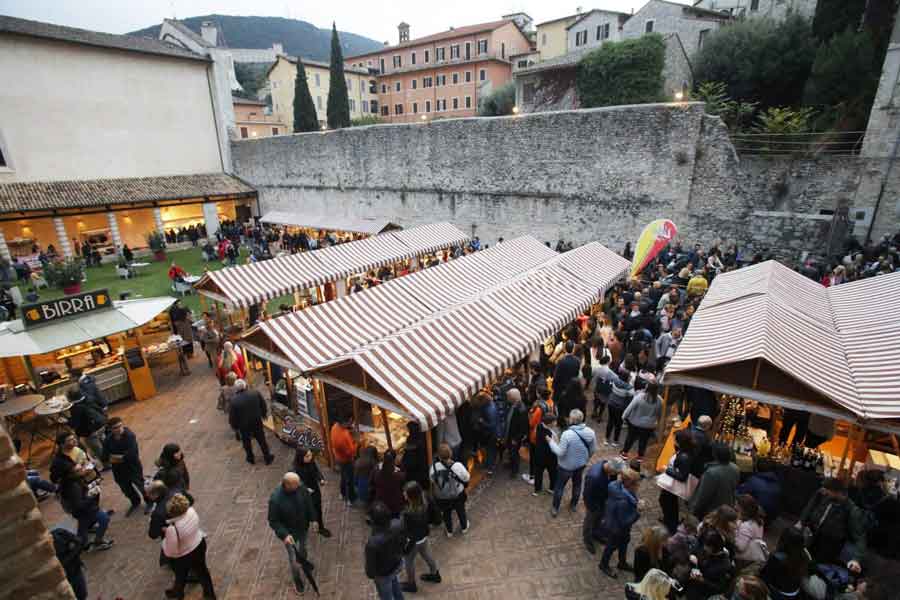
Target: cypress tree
305,118
338,101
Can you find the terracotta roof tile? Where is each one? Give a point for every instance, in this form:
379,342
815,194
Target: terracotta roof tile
444,35
44,195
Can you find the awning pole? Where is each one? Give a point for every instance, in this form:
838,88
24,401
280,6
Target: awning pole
664,415
756,372
850,432
387,429
356,415
319,395
428,451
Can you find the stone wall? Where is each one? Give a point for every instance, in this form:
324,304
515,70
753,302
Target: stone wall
28,565
596,174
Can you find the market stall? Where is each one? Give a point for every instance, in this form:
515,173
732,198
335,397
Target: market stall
769,336
345,228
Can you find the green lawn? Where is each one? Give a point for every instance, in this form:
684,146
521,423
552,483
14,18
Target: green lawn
152,281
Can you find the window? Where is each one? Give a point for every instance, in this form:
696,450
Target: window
426,57
468,101
384,88
440,80
468,76
398,109
603,32
412,58
384,111
581,38
482,75
374,107
318,84
415,108
244,133
428,106
426,82
440,105
468,50
319,101
414,83
274,131
455,79
502,50
362,86
482,46
702,38
521,64
456,104
349,85
648,27
382,67
754,4
365,106
396,86
439,54
352,105
454,51
398,62
543,39
274,85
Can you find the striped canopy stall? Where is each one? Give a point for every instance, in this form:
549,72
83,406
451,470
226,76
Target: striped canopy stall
250,284
306,339
789,341
429,368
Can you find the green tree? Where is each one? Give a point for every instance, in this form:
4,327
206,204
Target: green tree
844,78
736,115
628,72
784,121
338,102
499,102
305,118
759,60
835,16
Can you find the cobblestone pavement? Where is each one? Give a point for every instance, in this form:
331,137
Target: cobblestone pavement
513,550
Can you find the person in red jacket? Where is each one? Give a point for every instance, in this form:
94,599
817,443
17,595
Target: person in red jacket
231,361
344,446
176,273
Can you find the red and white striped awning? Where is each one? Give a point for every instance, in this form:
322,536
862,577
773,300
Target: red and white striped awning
250,284
840,343
317,335
430,367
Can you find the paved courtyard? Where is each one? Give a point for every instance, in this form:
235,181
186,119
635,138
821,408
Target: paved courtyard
513,550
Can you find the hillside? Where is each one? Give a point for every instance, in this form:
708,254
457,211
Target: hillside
299,37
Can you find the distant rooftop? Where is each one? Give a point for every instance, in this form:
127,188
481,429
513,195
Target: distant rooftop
436,37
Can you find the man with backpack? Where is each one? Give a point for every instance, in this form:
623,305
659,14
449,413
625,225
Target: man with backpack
385,549
449,479
68,552
574,449
836,526
89,422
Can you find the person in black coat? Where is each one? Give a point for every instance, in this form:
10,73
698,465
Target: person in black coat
68,552
679,470
544,458
120,449
248,409
172,469
414,462
311,477
384,551
77,496
88,420
516,429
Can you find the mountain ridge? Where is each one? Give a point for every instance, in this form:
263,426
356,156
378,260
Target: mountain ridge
300,38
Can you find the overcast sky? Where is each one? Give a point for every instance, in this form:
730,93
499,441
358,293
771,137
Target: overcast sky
377,20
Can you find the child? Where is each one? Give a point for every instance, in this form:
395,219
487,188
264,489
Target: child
415,523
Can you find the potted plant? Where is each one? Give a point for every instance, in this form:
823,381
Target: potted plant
157,244
66,274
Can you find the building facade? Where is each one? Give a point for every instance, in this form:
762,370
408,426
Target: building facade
551,36
254,119
130,130
756,9
594,28
283,74
692,24
442,75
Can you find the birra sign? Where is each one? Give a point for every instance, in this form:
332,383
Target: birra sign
70,306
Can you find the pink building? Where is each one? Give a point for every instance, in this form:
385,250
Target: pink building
445,74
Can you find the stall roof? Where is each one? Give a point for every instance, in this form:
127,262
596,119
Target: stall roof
319,334
127,314
768,332
262,281
329,222
430,367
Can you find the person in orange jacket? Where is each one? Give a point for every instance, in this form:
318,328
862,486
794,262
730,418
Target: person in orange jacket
344,447
543,405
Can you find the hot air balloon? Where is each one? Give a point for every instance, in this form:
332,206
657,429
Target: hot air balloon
653,239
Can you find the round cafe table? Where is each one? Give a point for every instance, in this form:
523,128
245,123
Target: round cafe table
15,409
51,409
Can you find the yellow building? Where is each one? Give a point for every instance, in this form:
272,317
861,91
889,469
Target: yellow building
281,76
551,36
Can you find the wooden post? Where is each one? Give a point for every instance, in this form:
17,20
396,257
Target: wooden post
861,439
895,444
850,431
29,368
387,429
292,400
202,302
428,446
356,415
661,428
271,381
756,372
319,394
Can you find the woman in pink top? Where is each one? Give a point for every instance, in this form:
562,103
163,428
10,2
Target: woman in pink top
184,545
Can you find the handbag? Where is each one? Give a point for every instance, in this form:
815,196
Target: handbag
682,489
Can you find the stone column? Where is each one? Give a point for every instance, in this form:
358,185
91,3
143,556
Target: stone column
157,218
4,249
211,219
28,565
62,236
114,230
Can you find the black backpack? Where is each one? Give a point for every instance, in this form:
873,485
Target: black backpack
68,548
